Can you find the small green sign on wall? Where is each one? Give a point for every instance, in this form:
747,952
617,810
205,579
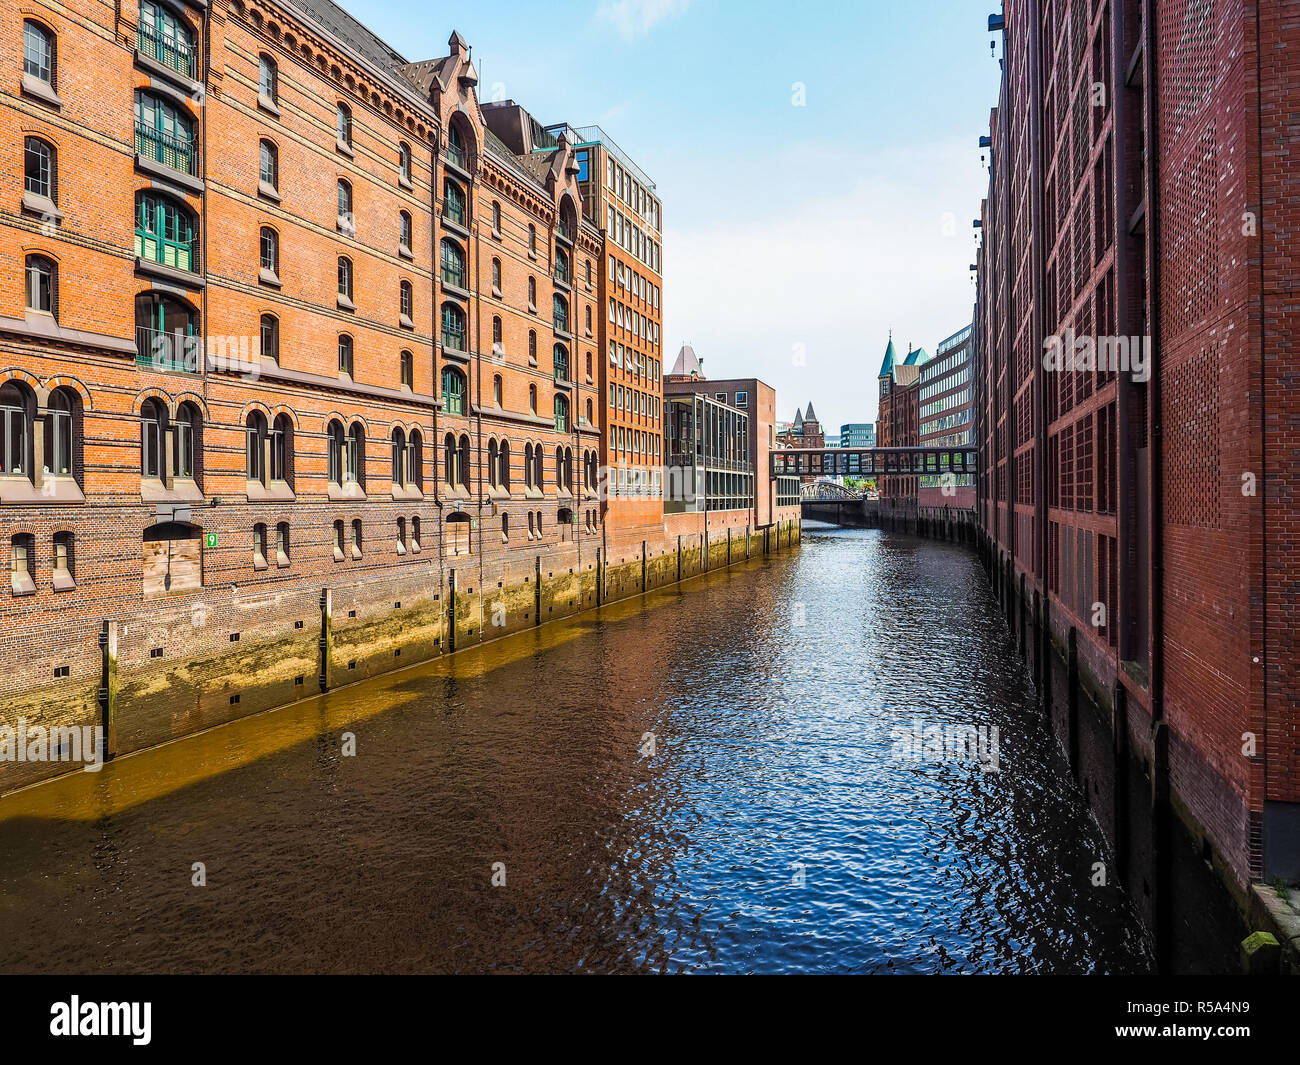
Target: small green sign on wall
211,539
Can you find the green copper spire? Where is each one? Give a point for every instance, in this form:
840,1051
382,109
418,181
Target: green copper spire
887,367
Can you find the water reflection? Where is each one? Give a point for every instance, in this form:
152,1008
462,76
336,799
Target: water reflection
774,828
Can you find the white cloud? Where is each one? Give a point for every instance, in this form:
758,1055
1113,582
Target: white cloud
632,18
828,265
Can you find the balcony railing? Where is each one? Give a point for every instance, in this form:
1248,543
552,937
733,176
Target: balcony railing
179,55
454,213
168,351
175,152
453,337
178,254
453,275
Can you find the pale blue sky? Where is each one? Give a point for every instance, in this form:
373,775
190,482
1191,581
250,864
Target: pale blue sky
794,236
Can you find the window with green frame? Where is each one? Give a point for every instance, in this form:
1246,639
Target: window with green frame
164,232
453,203
453,327
453,264
164,133
164,37
453,391
561,414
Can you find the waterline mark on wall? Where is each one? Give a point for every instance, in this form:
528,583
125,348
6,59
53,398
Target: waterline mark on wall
1069,351
58,743
923,742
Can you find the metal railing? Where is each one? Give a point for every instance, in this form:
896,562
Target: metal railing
162,350
176,152
178,55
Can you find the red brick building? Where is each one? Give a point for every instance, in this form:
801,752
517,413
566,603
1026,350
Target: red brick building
1137,414
304,361
898,422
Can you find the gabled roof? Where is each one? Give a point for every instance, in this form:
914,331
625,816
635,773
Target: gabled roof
887,367
918,357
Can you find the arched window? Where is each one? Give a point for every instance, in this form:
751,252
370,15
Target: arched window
346,220
345,280
453,327
589,412
561,362
406,303
532,399
356,537
559,469
453,263
497,348
404,162
561,271
449,459
462,461
561,414
588,271
337,449
415,535
493,459
65,561
153,436
505,527
40,172
456,147
404,238
399,457
503,458
269,334
17,412
539,473
355,469
496,277
164,37
343,125
259,545
588,370
346,360
166,332
268,79
532,239
496,390
568,226
532,293
38,53
568,468
42,285
496,218
281,449
415,460
186,441
408,370
401,536
528,466
453,203
588,322
268,176
270,255
164,232
453,391
532,347
561,306
164,133
62,417
256,447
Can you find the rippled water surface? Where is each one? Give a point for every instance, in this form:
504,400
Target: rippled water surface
773,829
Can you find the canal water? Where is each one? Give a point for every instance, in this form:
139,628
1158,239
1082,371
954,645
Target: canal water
789,766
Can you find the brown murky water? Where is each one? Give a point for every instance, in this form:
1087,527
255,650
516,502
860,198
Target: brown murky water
777,826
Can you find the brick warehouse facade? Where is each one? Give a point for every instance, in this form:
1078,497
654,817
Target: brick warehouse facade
1139,513
300,368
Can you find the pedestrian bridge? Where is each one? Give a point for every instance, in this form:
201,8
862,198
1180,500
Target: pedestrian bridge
872,461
